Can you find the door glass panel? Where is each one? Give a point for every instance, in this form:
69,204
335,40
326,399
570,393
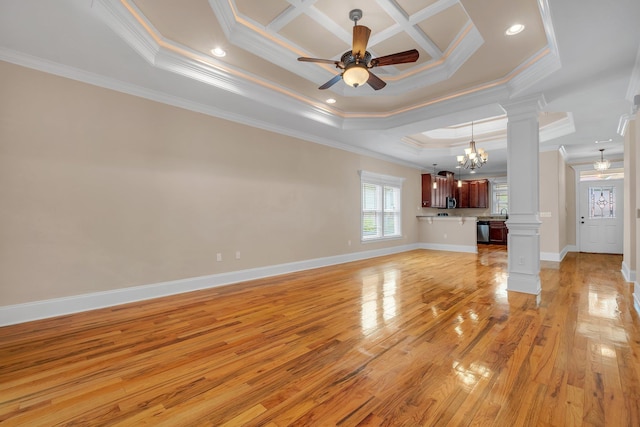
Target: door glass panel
602,202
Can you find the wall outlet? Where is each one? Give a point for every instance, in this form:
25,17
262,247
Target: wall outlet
219,257
237,254
445,235
349,242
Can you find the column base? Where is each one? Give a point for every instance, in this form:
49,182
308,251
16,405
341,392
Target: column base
525,283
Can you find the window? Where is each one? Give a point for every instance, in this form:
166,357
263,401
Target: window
381,206
602,202
499,197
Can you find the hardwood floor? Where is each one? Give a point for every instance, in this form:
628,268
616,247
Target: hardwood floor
420,338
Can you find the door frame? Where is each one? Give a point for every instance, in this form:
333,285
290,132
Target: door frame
577,169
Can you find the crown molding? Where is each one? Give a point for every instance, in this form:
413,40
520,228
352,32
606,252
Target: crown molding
536,68
562,127
125,25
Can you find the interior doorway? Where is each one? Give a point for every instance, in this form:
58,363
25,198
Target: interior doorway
600,213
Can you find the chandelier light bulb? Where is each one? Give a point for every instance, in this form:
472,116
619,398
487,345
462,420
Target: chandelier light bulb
602,164
473,158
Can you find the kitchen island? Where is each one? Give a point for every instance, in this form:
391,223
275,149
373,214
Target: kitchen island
448,233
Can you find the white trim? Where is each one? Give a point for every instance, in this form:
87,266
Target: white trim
381,180
550,256
378,178
629,275
636,296
19,313
525,283
449,248
572,248
554,256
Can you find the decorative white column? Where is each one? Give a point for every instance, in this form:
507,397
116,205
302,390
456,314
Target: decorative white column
524,197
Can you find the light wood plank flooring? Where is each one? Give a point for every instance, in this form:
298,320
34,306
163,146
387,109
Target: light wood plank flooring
420,338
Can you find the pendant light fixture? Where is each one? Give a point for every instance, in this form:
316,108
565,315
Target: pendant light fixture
602,164
473,158
435,183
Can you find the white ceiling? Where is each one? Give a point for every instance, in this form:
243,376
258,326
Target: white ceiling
581,56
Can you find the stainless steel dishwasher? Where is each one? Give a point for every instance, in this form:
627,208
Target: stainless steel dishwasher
483,231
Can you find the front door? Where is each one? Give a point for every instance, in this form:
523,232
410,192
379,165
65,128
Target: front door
601,210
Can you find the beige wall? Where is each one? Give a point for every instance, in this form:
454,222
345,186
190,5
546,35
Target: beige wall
100,190
557,204
550,191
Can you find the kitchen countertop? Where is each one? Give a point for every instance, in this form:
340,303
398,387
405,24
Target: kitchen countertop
493,218
447,217
460,218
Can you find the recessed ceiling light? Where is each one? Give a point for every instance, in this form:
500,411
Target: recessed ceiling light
606,140
218,52
330,101
514,29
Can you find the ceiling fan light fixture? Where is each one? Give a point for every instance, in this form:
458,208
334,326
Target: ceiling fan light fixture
356,75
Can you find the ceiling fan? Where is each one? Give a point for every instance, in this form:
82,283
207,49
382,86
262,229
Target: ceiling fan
357,62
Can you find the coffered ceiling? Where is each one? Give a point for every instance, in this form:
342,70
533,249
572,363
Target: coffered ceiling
578,56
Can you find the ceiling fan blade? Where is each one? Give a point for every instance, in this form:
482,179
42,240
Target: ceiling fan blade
323,61
360,39
396,58
375,82
331,82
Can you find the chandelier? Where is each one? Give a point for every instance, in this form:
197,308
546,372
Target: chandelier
602,164
473,158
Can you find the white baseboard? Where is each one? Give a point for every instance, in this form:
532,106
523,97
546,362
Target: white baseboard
450,248
629,275
20,313
550,256
636,296
557,257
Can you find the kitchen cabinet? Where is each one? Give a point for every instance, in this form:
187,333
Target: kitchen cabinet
443,190
437,197
472,194
498,232
478,193
462,194
426,190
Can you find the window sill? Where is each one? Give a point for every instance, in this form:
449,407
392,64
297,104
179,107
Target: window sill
380,239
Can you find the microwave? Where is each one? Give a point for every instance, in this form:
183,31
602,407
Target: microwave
451,203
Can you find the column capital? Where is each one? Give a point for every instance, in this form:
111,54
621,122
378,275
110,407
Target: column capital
526,105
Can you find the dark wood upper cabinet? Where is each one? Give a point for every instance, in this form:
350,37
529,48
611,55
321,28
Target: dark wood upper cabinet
462,194
483,194
426,190
472,194
478,193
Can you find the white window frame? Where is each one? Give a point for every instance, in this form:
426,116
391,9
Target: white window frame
494,204
381,181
